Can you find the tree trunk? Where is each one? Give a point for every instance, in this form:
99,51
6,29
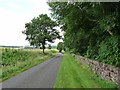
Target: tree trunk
43,50
43,47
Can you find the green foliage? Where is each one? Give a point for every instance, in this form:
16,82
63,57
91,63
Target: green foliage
41,30
91,29
109,51
60,46
12,56
49,46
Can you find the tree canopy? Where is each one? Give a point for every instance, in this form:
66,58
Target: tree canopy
41,30
49,46
60,46
92,29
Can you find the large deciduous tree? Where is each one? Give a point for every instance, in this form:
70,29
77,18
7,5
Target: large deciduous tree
41,30
92,29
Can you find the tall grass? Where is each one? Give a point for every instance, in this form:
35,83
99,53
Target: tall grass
15,61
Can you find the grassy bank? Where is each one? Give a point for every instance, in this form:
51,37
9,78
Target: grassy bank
16,61
73,74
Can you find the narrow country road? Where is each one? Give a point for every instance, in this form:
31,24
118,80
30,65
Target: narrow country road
40,76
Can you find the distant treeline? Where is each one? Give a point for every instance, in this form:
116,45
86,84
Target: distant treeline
11,46
25,47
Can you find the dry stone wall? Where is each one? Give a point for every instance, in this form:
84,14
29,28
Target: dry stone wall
107,72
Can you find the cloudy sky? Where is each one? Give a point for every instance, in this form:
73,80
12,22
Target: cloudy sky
13,16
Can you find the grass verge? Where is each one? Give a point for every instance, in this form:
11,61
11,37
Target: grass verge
73,74
34,58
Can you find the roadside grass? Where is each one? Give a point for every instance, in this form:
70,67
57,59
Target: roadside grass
34,57
73,74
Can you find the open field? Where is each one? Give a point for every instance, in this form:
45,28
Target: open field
14,61
73,74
